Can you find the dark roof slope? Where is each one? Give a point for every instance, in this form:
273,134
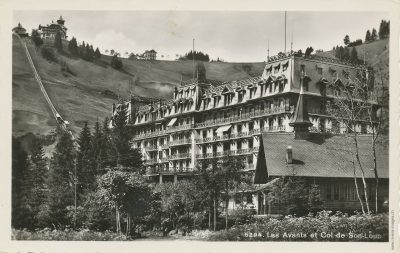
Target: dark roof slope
320,156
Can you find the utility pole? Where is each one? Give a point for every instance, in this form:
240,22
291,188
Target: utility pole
285,32
193,59
268,52
75,182
291,44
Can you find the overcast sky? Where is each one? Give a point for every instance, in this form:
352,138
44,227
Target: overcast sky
232,36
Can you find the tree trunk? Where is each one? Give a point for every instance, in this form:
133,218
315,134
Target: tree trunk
209,217
362,174
376,173
269,208
356,185
215,215
226,213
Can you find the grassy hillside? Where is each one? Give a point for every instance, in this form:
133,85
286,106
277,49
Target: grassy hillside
84,93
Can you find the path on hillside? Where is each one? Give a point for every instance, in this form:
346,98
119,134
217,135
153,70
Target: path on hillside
55,113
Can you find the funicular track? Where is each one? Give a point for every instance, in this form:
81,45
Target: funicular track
60,121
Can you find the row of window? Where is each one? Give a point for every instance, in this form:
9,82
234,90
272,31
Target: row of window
229,97
345,192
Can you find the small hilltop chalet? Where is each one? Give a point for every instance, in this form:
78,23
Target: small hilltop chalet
49,32
20,30
150,54
277,123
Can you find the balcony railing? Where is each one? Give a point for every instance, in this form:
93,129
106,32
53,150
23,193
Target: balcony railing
224,137
179,128
170,170
268,130
245,116
150,161
246,151
164,159
151,148
149,135
180,142
180,156
317,111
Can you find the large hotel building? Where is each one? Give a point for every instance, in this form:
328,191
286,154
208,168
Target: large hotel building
208,119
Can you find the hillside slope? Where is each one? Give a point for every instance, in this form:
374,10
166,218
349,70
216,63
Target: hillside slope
89,90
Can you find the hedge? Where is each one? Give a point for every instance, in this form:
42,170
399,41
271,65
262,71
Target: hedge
323,227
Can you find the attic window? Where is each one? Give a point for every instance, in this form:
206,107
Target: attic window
285,65
319,70
276,68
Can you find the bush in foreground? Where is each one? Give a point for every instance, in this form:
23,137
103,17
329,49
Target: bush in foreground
67,235
323,227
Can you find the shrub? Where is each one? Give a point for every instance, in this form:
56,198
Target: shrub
241,217
67,235
49,54
325,227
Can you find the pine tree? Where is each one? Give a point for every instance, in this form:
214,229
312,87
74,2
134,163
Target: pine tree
120,136
61,183
346,40
21,215
346,54
109,152
57,42
116,62
73,47
353,55
384,29
39,173
374,36
85,161
88,55
97,54
97,146
82,50
368,36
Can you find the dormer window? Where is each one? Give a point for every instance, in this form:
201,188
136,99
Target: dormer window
285,66
269,70
240,96
276,68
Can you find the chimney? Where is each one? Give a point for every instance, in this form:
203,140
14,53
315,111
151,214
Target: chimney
300,121
289,155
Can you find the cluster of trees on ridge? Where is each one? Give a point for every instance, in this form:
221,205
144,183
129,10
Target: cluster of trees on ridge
345,54
84,51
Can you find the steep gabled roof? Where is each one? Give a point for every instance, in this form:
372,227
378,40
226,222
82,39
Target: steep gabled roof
319,156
